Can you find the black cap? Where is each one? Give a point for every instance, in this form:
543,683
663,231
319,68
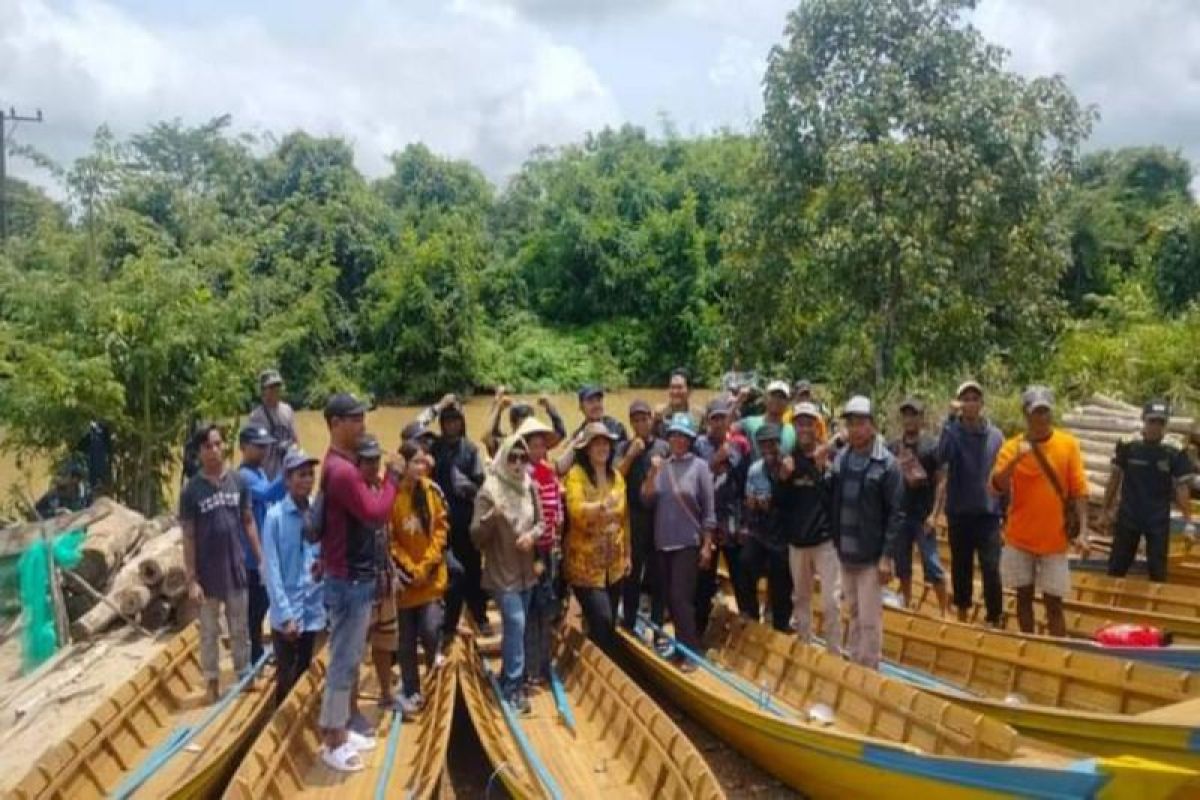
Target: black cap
589,391
640,407
1156,409
259,436
368,446
451,410
914,404
344,404
767,432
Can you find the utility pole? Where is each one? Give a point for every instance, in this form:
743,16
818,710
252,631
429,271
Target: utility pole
6,117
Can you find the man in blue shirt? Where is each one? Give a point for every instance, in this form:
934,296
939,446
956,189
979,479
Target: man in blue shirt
290,571
264,492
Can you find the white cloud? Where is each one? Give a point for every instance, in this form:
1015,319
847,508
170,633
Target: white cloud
469,82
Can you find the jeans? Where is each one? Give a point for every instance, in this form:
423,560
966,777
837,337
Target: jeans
971,534
423,623
644,573
756,559
1124,551
513,608
292,659
259,602
235,604
349,605
599,606
808,563
469,589
914,532
678,569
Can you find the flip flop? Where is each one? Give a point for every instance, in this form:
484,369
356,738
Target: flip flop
342,759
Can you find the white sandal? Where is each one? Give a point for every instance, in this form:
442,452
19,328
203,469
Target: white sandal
360,743
342,759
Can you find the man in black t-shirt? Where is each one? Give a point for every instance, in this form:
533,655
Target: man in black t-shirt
215,514
1147,474
633,461
917,454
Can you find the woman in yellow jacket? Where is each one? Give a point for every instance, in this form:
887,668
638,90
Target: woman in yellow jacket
418,544
596,545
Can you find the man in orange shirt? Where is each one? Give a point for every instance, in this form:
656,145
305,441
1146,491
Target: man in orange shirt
1041,470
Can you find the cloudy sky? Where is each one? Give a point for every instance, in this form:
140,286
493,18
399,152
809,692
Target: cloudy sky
488,80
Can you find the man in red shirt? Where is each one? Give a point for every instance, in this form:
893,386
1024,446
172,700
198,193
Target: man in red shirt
351,512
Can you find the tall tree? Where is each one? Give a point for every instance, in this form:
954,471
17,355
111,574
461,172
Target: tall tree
908,192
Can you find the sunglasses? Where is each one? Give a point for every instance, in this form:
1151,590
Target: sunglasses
518,458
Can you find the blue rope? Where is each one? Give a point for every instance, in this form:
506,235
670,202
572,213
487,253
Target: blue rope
393,744
758,694
181,736
560,700
514,727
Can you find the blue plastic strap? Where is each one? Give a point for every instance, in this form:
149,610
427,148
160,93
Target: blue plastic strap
760,696
514,727
561,701
393,743
181,736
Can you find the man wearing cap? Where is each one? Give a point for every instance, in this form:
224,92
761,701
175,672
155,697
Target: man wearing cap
458,471
728,464
1147,475
214,513
801,504
518,412
352,512
277,417
290,569
917,453
867,511
634,458
1041,471
764,552
802,392
256,444
591,403
777,406
967,450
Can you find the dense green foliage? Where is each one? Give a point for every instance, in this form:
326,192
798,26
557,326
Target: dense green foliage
907,211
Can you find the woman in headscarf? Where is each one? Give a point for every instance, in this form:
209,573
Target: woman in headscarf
597,540
545,606
505,526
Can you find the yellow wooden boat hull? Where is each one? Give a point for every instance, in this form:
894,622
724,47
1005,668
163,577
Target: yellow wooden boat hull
1137,594
108,746
623,745
284,761
834,764
1140,696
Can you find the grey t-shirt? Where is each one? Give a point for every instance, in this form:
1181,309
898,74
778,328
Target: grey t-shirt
216,512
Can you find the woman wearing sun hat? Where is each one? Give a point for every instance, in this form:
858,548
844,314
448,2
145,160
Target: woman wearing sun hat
597,556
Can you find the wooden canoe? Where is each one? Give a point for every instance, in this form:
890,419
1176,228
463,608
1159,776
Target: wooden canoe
610,739
1137,594
285,760
154,737
1095,704
834,729
1081,627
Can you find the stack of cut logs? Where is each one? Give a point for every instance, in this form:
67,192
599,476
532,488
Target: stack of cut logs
1100,423
137,566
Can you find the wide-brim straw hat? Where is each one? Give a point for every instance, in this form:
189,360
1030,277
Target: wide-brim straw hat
591,431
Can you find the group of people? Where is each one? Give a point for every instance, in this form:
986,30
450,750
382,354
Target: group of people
632,523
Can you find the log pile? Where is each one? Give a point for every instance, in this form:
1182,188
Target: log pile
1100,423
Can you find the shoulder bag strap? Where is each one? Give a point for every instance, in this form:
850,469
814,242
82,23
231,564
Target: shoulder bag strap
680,499
1049,472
